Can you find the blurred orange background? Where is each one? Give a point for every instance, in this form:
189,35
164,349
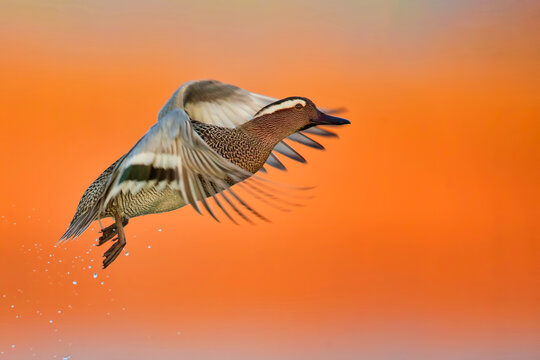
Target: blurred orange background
422,240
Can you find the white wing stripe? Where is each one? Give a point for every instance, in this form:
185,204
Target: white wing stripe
145,158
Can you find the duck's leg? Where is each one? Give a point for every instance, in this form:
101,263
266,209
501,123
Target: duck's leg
116,248
110,231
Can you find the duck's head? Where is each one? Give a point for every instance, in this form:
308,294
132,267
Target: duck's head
298,113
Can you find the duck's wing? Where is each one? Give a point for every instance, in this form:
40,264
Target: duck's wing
172,154
216,103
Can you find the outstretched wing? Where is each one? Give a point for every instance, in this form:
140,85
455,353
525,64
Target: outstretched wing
216,103
172,154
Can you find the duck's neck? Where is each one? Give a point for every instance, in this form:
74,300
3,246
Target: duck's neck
269,129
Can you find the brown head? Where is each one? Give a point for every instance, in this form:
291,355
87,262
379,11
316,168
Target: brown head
284,117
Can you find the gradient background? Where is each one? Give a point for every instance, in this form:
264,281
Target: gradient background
422,241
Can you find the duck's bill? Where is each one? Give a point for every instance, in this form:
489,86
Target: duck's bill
325,119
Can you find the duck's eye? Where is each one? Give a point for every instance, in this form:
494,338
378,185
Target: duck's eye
298,106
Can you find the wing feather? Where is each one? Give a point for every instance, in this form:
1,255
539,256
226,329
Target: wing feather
174,154
304,140
217,103
275,162
285,149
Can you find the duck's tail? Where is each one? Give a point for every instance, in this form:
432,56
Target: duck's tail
89,207
80,222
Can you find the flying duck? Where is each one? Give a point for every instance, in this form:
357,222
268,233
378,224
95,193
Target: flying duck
208,137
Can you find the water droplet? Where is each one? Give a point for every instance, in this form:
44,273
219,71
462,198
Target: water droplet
149,246
89,266
95,275
50,321
12,306
102,283
159,230
127,253
67,357
13,346
74,283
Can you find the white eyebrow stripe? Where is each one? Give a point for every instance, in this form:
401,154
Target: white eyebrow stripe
284,105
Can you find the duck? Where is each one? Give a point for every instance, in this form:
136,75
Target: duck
208,137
